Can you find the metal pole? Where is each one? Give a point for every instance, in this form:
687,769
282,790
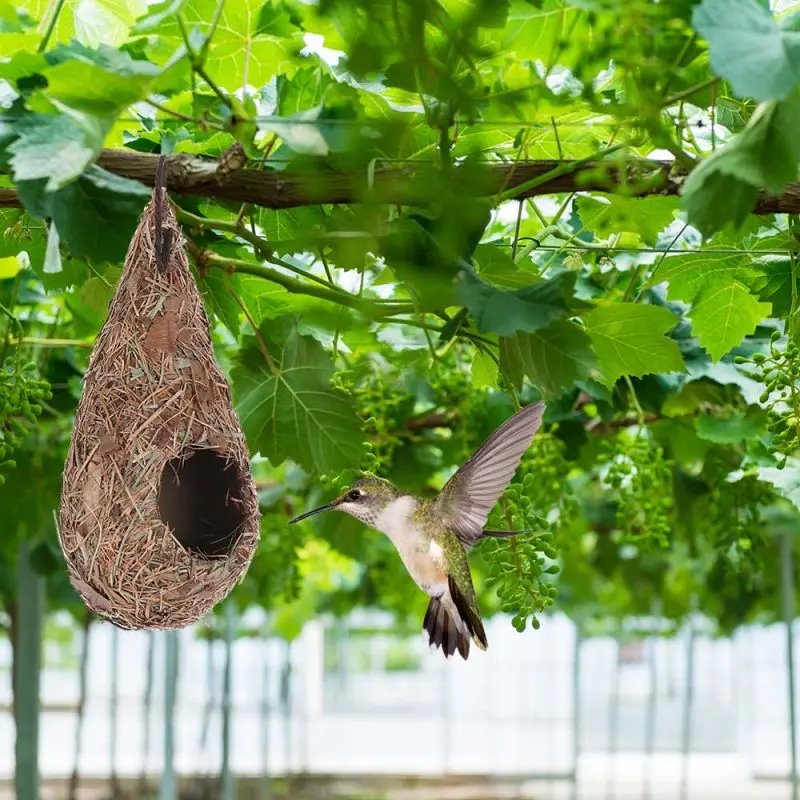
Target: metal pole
28,654
72,791
613,726
169,789
576,708
204,774
788,603
148,707
650,719
444,712
227,781
266,782
113,702
286,708
688,697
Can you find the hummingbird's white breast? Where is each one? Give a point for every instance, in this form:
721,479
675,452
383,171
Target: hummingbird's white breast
421,554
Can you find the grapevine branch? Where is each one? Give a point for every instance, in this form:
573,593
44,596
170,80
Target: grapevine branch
407,184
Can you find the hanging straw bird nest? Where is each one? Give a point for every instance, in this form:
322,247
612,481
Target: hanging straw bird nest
159,516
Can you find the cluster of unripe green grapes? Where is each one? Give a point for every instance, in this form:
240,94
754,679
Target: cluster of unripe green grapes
521,568
276,565
22,393
381,406
736,526
640,480
779,371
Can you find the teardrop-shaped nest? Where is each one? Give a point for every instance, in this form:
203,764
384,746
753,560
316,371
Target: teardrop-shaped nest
159,515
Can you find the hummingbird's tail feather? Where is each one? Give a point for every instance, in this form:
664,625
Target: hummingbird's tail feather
451,622
468,613
446,630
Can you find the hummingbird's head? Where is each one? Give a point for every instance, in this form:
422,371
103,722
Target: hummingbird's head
364,500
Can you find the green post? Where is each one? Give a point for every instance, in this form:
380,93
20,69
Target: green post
265,792
576,708
28,651
613,724
148,704
227,780
74,779
650,718
113,708
788,603
286,709
688,699
168,789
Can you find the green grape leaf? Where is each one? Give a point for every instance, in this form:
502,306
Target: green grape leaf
645,216
731,429
10,267
503,312
17,31
427,253
776,282
56,148
102,81
287,406
95,215
216,290
106,21
717,285
688,274
495,265
483,374
89,304
14,20
723,188
749,47
628,339
723,315
21,65
712,199
553,358
244,50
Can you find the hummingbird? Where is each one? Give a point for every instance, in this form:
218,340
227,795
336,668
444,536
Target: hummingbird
433,536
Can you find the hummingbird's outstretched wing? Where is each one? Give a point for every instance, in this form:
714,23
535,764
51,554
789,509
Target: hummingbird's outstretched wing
472,492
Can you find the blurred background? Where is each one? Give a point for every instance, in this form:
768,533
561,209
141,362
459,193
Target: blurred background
351,709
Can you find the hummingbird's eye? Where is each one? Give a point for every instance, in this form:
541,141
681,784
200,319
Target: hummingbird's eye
354,495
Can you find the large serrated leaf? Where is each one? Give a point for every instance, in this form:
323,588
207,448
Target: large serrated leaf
645,216
723,188
553,358
101,81
718,285
287,406
530,309
56,148
629,339
749,48
724,314
95,214
242,52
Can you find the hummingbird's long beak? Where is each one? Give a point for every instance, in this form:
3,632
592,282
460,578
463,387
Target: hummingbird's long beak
326,507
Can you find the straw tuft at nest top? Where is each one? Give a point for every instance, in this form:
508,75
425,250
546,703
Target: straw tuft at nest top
159,515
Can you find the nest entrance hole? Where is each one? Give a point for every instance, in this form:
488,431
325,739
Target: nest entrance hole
200,500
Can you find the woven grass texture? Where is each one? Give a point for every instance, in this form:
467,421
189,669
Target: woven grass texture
159,516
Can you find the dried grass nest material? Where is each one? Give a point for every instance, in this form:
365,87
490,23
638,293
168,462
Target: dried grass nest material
159,516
